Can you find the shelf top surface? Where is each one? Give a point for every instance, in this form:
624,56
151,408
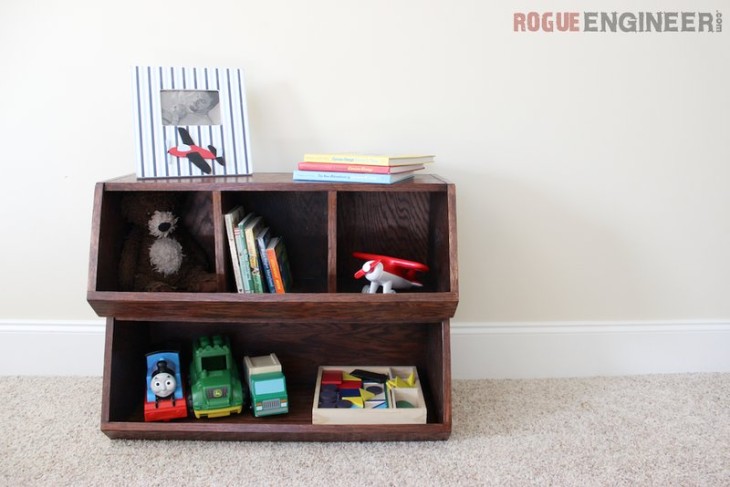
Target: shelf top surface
269,182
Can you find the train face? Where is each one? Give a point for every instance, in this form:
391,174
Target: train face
165,398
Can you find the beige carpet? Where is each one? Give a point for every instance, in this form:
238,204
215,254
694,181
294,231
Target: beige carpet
647,430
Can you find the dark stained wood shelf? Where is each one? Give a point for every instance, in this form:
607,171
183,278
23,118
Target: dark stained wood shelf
325,320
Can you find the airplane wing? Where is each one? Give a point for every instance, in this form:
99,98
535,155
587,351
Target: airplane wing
185,136
198,160
220,160
407,269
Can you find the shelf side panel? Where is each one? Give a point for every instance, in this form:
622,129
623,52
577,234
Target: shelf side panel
442,242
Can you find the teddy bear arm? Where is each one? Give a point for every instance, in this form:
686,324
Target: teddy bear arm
194,251
196,279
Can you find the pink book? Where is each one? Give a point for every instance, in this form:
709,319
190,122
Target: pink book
359,168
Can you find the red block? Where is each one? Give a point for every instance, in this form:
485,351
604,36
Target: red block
351,384
332,377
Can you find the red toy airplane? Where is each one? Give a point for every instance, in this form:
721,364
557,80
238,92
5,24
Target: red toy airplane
389,272
196,154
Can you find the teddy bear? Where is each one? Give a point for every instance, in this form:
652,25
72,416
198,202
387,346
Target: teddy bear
159,254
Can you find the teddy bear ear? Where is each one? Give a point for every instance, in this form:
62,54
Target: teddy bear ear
165,201
146,202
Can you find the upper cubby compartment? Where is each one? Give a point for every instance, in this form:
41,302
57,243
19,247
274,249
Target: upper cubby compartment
410,225
322,225
121,231
300,219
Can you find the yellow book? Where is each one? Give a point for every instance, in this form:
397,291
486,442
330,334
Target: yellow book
369,159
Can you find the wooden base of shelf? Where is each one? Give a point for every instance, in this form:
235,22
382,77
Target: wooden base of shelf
276,432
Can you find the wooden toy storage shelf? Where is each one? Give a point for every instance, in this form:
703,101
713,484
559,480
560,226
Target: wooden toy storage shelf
324,320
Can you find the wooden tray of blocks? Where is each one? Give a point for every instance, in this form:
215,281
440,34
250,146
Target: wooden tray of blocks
368,395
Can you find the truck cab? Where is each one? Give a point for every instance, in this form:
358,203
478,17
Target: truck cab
215,385
266,385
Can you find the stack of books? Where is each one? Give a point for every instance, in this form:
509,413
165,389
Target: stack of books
260,261
360,168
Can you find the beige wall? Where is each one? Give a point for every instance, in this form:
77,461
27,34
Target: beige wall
592,169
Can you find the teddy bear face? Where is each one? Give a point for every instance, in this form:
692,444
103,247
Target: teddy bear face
162,224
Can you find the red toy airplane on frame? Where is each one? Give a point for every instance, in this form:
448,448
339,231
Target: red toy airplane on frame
389,272
196,154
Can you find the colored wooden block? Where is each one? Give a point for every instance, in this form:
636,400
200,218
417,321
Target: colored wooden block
366,396
356,401
370,376
351,384
381,408
402,383
332,377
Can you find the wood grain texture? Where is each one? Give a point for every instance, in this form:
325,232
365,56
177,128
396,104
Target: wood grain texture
325,320
301,348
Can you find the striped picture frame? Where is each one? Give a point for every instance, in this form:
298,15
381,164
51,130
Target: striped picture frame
207,103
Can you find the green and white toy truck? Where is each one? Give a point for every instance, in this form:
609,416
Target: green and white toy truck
215,386
266,385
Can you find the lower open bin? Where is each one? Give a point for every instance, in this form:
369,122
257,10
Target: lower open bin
302,349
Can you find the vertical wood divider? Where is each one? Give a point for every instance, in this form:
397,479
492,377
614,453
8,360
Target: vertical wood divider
220,245
332,241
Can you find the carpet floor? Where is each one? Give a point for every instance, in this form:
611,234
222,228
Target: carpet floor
659,430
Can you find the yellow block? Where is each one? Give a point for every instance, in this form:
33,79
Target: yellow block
366,395
398,382
357,401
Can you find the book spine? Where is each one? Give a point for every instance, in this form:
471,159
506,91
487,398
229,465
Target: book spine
243,262
356,168
275,272
342,176
262,242
348,159
230,231
253,260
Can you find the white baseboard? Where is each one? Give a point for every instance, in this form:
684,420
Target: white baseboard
51,347
585,349
478,350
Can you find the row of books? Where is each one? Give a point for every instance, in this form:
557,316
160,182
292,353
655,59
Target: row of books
260,261
360,168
